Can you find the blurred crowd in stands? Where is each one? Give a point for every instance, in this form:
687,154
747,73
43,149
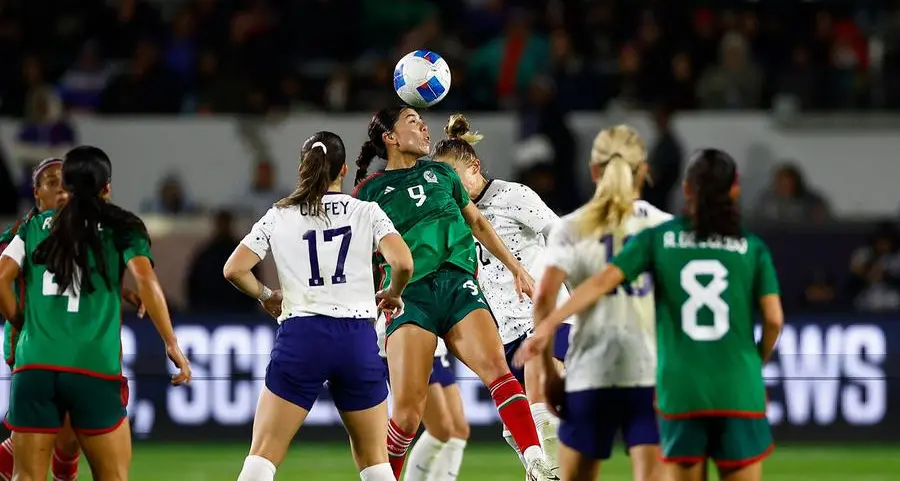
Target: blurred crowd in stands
269,56
539,59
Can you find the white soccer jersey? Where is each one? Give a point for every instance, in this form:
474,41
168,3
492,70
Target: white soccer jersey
523,221
381,330
324,264
614,342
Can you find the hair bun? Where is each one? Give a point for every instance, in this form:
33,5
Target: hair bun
458,128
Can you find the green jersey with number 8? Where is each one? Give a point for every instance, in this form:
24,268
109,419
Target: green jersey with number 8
73,331
425,204
706,295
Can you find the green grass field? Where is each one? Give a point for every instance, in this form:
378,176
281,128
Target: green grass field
485,462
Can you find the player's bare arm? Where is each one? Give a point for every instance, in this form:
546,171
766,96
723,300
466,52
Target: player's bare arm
154,300
399,257
484,232
586,295
544,302
773,321
9,307
131,297
239,272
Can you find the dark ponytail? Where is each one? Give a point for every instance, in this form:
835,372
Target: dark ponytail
76,233
382,122
713,212
364,160
322,158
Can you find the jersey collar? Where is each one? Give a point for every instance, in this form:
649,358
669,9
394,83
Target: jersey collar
483,191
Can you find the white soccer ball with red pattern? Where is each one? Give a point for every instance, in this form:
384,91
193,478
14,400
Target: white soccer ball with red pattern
422,78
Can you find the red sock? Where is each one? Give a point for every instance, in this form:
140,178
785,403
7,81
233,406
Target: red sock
514,410
65,466
6,459
398,443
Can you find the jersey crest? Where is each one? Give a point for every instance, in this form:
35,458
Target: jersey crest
430,177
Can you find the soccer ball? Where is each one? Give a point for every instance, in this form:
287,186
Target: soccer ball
422,78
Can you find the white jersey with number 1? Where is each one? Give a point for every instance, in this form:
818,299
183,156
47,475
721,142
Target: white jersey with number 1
324,265
522,220
614,342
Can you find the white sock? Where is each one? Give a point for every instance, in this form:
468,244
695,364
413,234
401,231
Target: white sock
257,468
531,454
547,426
379,472
422,457
446,465
512,443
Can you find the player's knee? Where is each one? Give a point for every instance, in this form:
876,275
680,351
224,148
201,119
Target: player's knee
407,417
68,446
461,429
442,430
493,368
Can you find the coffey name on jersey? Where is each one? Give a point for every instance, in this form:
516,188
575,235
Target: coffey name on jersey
324,264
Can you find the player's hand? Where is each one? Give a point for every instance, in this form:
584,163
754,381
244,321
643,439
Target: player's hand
134,299
272,305
389,302
524,283
554,387
533,346
173,351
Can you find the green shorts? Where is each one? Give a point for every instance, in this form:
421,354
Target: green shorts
731,441
438,301
39,400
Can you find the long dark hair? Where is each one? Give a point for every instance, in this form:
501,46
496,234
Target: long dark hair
382,122
76,228
321,159
710,176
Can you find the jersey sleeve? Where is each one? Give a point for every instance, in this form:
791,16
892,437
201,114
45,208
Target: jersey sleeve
766,282
136,245
561,251
381,224
257,240
531,211
636,256
15,250
657,217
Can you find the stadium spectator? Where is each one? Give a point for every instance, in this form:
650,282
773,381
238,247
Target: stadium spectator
170,199
181,51
800,81
217,90
665,160
83,83
790,199
207,289
505,67
735,82
680,87
820,294
128,23
262,192
32,77
146,86
875,268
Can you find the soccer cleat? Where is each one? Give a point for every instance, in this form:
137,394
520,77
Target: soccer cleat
538,471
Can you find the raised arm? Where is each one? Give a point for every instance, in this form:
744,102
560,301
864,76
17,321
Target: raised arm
484,232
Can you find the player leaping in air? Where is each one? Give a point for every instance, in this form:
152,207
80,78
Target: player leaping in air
610,366
523,221
68,359
432,211
322,242
710,274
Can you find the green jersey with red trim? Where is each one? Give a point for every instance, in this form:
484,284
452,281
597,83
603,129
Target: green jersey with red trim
10,333
425,204
73,331
706,293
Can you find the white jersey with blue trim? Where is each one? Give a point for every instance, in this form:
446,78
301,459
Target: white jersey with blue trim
613,343
522,220
324,263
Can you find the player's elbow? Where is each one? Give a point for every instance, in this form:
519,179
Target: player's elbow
231,271
774,320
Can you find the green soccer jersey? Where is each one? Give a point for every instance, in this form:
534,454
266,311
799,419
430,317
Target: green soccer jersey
706,294
425,204
74,331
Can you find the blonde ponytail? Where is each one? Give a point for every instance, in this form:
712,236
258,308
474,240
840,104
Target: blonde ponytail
620,152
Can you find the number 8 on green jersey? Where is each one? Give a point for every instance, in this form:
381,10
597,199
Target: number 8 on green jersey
710,390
